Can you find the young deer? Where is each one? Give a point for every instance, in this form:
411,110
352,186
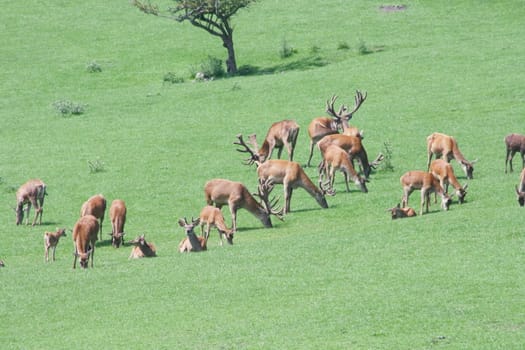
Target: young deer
84,237
117,214
96,206
353,146
427,183
142,249
336,158
444,172
399,213
446,146
212,217
514,143
192,242
520,189
32,193
51,241
281,134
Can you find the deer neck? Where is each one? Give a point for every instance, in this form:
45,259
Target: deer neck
194,241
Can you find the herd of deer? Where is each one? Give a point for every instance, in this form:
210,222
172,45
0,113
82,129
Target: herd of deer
340,145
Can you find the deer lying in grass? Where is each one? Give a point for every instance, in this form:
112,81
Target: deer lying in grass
322,126
514,143
520,189
142,249
96,206
399,213
117,214
32,193
192,242
336,158
427,183
212,217
446,147
84,237
51,241
281,134
445,174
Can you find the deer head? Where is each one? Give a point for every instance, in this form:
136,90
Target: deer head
189,226
263,192
343,116
521,197
254,157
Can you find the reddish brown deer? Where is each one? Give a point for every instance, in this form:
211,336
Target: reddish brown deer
444,172
96,206
353,146
427,183
446,147
336,158
84,237
212,217
514,143
192,242
281,135
51,241
32,193
322,126
142,249
117,214
399,213
520,189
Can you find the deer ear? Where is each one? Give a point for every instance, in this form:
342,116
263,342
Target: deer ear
181,222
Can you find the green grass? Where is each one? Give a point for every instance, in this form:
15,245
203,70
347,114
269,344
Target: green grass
339,278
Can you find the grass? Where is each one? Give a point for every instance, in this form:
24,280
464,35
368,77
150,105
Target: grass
343,277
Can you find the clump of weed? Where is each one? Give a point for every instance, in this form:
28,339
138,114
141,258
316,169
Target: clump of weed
93,67
172,78
208,69
362,48
343,46
286,50
386,163
315,49
96,166
66,107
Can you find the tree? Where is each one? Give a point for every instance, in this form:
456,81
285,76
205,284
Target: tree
211,15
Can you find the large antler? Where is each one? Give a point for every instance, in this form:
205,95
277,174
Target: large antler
377,161
264,189
254,157
343,110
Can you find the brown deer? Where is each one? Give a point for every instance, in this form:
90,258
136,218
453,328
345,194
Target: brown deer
51,241
117,214
96,206
353,146
399,213
444,172
32,193
520,189
192,242
142,249
322,126
84,237
427,183
336,158
446,147
281,134
514,143
212,217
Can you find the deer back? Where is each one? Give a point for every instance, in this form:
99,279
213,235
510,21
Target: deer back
95,205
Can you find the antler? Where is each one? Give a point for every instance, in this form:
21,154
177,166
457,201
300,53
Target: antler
254,158
343,111
264,189
376,161
359,99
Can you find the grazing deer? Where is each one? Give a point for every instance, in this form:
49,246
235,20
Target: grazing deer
117,214
96,206
399,213
520,190
447,147
212,217
281,134
32,193
352,145
336,158
84,237
192,242
445,174
142,249
427,183
51,241
322,126
514,143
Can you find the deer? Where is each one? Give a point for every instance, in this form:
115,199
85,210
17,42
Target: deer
322,126
211,216
192,242
280,135
446,146
399,213
444,172
33,193
427,183
221,192
520,189
96,206
117,214
514,143
84,237
51,241
353,146
336,158
142,249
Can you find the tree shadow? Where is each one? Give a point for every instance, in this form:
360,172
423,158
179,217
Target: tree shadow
300,64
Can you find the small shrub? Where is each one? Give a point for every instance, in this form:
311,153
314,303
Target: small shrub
172,78
386,164
66,107
95,166
93,67
362,48
208,69
343,46
286,50
315,49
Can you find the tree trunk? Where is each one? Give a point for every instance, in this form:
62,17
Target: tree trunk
231,64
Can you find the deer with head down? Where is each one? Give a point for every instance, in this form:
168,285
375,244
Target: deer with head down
142,249
336,158
427,184
322,126
281,135
399,213
514,143
445,174
446,147
520,189
192,242
211,216
51,241
96,206
84,237
32,193
117,214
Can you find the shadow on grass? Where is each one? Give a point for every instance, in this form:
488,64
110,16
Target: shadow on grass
300,64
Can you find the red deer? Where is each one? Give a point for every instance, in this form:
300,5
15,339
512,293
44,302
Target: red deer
445,174
51,241
446,147
192,242
520,190
212,217
399,213
336,158
117,214
514,143
142,249
84,237
96,206
353,146
281,134
427,183
32,193
322,126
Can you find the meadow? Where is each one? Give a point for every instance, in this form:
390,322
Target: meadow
346,277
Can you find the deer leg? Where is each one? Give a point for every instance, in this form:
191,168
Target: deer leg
287,198
346,181
312,144
46,254
54,249
28,210
233,212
